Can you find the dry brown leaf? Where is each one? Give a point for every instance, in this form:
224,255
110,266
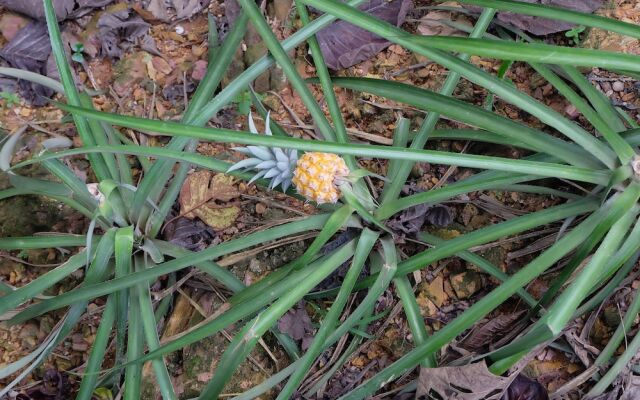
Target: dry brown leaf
580,347
199,194
487,333
436,22
469,382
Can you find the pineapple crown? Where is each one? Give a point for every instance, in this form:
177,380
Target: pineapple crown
271,163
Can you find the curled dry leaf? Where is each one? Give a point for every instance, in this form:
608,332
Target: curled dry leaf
439,215
193,235
199,196
118,28
183,8
297,324
439,22
64,8
485,334
344,44
29,50
469,382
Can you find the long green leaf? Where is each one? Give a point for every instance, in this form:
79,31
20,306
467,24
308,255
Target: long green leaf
161,171
479,309
91,291
469,114
562,14
97,354
247,338
68,82
496,85
392,190
534,52
227,136
365,244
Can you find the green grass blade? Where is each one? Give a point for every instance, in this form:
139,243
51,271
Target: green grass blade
280,55
479,309
247,338
491,180
476,75
225,277
135,348
226,136
606,291
96,272
561,14
42,283
600,102
100,139
92,290
395,168
241,82
532,52
325,81
617,369
335,222
73,97
123,253
414,318
98,350
469,114
566,304
151,336
42,242
33,77
409,304
481,263
616,339
601,121
541,169
490,233
365,245
155,180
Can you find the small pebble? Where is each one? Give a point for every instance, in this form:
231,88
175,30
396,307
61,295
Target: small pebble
179,29
618,86
572,112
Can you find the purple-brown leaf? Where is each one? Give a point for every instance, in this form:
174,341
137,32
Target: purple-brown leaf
543,26
29,51
64,8
344,44
296,323
524,388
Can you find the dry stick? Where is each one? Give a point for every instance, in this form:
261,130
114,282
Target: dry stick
274,204
299,121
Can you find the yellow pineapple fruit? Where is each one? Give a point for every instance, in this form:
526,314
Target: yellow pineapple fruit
318,175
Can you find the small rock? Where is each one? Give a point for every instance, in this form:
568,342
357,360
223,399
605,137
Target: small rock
618,86
605,86
260,208
199,70
465,284
571,111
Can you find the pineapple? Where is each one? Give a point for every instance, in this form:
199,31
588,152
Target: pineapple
316,176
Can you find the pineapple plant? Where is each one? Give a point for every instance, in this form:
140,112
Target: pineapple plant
317,176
